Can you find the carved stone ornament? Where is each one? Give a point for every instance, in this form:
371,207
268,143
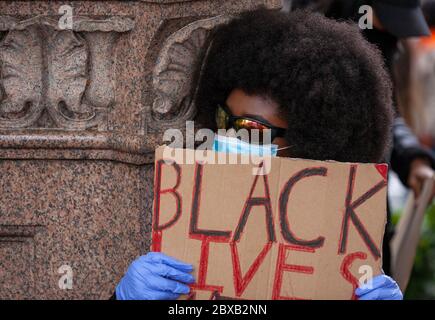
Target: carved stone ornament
67,72
104,81
175,77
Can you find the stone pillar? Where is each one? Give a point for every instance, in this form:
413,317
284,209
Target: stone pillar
83,104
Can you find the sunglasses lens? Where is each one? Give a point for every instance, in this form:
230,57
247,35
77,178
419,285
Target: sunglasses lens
248,124
221,118
252,126
256,132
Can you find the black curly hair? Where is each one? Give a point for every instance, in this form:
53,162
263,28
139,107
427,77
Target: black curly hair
329,82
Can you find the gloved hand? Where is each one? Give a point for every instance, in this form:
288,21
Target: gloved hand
155,276
382,288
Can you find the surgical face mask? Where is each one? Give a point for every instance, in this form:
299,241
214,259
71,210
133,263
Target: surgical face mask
234,145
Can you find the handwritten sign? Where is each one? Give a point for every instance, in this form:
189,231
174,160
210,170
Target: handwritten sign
305,230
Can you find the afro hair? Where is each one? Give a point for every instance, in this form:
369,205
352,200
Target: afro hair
329,82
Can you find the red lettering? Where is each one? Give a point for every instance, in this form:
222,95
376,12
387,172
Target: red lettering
349,214
257,201
201,283
241,282
196,200
282,266
345,269
157,229
283,202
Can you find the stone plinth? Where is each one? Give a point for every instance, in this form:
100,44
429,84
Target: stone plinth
83,104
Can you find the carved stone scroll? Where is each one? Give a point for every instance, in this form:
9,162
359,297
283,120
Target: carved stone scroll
21,78
69,73
175,75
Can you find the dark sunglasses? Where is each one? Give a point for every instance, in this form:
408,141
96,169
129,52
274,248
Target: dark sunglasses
226,120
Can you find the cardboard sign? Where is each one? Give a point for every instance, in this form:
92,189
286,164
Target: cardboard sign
305,230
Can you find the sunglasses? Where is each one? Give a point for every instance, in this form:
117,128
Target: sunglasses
226,120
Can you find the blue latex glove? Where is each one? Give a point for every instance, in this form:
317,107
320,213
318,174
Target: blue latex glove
155,276
383,288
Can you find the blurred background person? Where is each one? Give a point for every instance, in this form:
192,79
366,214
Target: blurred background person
396,25
417,96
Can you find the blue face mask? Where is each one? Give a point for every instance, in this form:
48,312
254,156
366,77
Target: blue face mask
234,145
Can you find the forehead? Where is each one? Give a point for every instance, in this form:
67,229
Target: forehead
242,104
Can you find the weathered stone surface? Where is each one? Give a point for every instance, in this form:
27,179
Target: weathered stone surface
88,215
81,111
